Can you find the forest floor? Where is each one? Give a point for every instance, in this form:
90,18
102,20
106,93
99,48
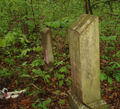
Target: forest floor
29,100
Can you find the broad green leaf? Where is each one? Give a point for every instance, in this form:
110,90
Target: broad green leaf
63,76
110,80
57,91
113,67
118,64
118,54
24,52
111,63
103,38
113,56
61,82
117,78
102,76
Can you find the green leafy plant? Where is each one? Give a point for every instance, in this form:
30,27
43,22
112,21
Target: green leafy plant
103,76
37,62
115,65
37,49
9,61
6,73
24,52
9,38
55,24
117,54
63,69
43,105
62,102
42,74
104,57
23,39
68,81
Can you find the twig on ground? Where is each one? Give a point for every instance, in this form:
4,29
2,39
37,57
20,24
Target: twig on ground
36,87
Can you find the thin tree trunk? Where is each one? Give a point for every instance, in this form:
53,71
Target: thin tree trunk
90,7
86,8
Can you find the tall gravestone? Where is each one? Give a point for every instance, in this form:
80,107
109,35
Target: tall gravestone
85,63
47,48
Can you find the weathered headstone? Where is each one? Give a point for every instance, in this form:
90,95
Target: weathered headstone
47,48
85,63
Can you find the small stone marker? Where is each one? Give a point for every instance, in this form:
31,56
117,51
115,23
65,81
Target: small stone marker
85,63
47,48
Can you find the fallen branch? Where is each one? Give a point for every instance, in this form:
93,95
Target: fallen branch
35,86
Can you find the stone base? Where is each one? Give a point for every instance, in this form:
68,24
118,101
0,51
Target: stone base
75,104
46,67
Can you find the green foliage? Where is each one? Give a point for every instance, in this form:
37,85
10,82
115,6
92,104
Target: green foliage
117,54
104,38
25,75
9,61
103,76
115,65
53,24
42,105
68,81
116,74
9,38
63,69
42,74
24,52
61,83
57,91
104,57
12,38
65,22
37,49
6,73
110,80
37,62
62,102
23,39
107,106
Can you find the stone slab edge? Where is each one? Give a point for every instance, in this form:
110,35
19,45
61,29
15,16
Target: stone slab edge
75,104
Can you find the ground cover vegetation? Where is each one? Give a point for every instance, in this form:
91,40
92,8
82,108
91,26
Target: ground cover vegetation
21,53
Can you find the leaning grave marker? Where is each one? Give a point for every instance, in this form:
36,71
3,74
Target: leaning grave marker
47,48
85,63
